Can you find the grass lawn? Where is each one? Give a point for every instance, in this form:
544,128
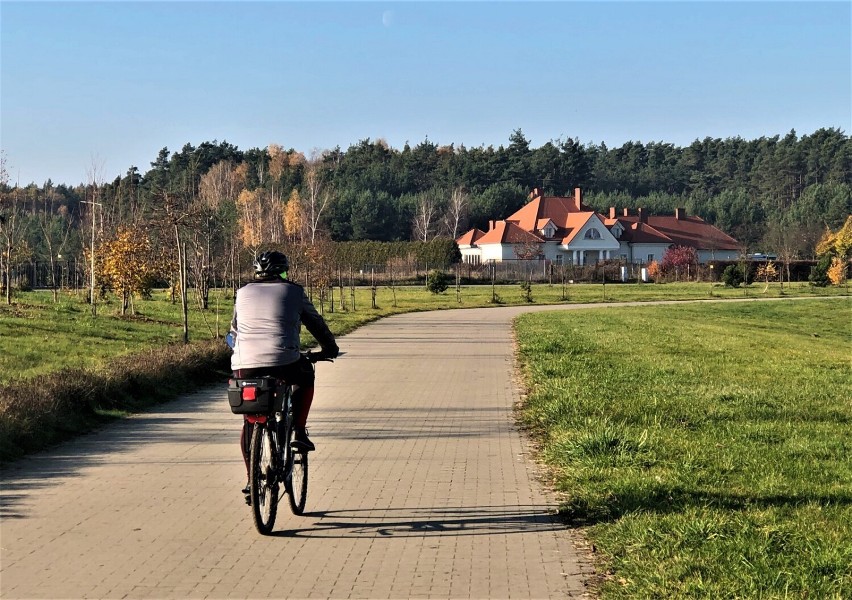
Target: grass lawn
38,336
708,448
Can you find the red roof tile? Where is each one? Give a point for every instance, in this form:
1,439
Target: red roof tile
693,231
470,238
546,207
506,232
642,233
685,231
574,223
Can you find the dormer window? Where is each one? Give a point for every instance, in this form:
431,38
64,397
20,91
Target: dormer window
617,230
549,230
592,234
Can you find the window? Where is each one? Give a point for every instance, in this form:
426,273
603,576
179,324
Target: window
592,234
549,230
650,258
558,259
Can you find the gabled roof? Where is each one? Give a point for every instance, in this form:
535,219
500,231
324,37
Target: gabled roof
693,231
683,231
575,222
470,238
554,208
507,232
642,233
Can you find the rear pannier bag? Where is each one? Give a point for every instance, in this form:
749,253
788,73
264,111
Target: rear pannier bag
256,395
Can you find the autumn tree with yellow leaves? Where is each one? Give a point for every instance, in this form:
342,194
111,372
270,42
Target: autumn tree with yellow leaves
834,250
250,212
128,265
294,218
767,272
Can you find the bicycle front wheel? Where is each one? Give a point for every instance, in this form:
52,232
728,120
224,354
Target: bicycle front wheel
298,489
263,482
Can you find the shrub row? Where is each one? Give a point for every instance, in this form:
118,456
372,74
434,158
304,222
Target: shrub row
37,413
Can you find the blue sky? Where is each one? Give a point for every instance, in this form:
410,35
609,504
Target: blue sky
108,84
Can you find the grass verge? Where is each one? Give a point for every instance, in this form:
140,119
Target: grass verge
706,446
74,362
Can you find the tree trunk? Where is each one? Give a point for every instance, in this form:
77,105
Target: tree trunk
183,299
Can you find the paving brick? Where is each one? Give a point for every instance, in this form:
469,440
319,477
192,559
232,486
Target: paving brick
422,486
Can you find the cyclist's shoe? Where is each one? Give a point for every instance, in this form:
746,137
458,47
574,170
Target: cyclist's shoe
301,441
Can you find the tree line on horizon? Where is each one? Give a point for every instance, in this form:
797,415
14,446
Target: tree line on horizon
224,202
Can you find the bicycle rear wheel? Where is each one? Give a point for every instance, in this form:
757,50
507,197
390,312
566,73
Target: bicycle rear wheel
263,482
298,489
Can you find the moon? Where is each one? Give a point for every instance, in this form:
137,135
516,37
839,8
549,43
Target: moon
387,18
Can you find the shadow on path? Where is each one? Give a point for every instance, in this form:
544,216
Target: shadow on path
425,522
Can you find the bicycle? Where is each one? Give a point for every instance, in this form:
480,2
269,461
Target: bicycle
267,403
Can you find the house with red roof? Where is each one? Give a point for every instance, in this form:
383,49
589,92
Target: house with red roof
566,231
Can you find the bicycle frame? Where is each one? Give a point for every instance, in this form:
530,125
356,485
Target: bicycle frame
273,460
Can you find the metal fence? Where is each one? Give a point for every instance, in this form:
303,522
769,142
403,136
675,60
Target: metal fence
74,274
68,274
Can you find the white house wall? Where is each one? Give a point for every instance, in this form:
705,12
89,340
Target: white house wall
551,250
470,255
606,241
638,253
496,252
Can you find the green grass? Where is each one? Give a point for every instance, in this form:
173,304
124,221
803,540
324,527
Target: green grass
38,336
707,447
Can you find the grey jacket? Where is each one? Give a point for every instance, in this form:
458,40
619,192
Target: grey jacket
268,317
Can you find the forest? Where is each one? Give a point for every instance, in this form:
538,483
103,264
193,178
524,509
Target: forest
218,204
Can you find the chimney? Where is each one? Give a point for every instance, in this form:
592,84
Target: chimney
611,212
577,202
680,213
490,225
643,218
536,193
626,212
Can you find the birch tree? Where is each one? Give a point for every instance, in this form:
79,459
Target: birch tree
55,230
457,212
11,226
318,193
426,209
250,211
278,162
294,218
219,185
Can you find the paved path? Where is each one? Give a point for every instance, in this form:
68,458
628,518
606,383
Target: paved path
421,488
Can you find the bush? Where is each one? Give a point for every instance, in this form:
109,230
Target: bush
819,273
72,401
526,287
837,272
732,276
438,282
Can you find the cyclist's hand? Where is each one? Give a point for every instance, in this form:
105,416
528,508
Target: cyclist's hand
319,356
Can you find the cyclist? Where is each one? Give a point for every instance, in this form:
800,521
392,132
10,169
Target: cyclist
268,315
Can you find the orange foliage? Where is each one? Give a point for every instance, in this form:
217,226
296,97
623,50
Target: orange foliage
837,271
294,217
250,218
654,270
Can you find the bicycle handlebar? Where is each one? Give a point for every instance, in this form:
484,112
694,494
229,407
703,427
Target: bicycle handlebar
315,357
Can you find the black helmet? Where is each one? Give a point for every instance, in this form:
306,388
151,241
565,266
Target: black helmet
270,263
